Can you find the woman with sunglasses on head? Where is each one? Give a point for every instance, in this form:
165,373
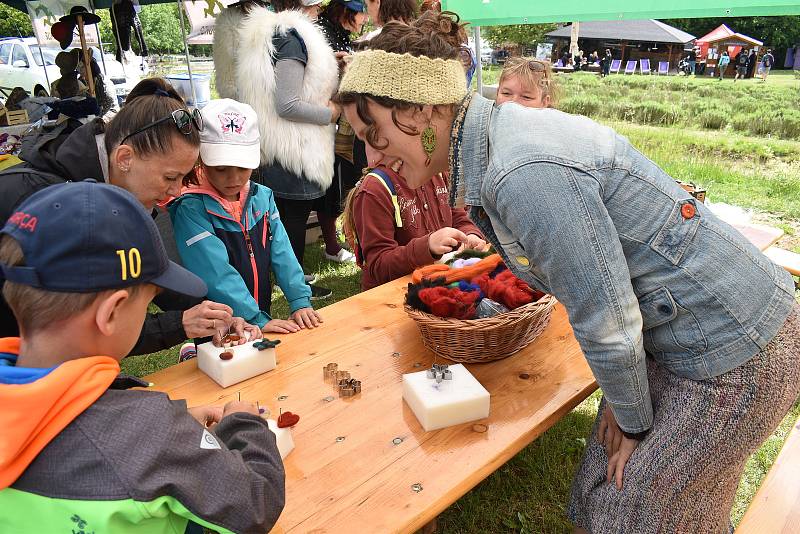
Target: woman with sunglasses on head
691,332
147,149
527,82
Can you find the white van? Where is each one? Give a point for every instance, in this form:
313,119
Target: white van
23,63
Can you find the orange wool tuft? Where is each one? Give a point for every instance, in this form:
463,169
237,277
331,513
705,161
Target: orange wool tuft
450,275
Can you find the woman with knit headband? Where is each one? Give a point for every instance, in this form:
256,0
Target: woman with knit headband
692,334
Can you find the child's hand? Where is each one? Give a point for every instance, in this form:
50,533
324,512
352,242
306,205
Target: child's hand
206,415
280,326
476,243
240,407
445,240
307,318
245,331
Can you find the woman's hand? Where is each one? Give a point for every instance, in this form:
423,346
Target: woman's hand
618,447
279,326
245,331
307,318
207,319
616,463
445,240
476,243
206,415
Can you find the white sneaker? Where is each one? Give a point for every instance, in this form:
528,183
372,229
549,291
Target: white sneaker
344,256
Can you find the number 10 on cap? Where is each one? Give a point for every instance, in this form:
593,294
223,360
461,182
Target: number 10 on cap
132,261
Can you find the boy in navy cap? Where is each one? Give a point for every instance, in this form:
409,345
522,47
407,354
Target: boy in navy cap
81,263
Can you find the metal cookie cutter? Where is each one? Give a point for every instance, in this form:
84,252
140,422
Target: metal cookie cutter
329,371
342,375
349,387
439,372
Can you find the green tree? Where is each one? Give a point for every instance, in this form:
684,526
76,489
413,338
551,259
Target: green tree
14,22
160,25
775,32
519,34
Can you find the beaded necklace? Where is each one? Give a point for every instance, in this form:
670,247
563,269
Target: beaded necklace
457,187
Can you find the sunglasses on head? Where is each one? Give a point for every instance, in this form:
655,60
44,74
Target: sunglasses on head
183,119
536,66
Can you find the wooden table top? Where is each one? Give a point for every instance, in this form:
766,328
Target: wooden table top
363,483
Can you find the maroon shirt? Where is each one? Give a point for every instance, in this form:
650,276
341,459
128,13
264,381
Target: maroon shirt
390,252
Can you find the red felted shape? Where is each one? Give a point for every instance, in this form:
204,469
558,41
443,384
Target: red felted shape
287,419
450,302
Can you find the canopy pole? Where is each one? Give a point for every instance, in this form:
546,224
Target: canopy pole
477,37
186,50
86,63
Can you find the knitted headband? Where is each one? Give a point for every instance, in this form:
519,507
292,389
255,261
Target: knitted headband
415,79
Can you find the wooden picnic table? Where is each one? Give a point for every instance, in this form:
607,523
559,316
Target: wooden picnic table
365,482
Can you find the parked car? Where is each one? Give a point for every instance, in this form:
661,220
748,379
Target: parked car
23,63
486,51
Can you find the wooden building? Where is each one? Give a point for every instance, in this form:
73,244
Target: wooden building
627,39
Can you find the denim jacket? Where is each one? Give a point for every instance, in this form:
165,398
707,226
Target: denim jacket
639,265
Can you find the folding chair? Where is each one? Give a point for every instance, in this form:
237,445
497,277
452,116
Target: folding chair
644,66
663,67
630,66
615,65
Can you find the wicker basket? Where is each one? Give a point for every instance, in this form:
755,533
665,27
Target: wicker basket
483,340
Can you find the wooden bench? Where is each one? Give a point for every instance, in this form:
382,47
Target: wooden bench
785,258
776,506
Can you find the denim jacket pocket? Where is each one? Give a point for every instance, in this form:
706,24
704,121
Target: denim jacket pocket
657,308
678,231
669,327
516,258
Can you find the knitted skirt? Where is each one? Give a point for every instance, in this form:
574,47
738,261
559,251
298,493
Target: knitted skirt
683,476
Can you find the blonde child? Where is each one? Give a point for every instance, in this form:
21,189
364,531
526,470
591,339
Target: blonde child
527,82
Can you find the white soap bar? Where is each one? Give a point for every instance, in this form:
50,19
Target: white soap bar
283,436
247,362
447,403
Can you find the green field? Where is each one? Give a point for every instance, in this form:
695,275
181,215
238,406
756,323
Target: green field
740,162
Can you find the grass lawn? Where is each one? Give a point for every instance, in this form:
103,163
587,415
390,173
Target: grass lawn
756,171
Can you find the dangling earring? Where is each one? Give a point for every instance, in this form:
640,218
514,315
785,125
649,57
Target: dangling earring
428,138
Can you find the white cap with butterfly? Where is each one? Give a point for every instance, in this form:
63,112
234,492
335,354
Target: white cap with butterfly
230,136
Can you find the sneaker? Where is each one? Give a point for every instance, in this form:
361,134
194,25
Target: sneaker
319,293
343,256
310,278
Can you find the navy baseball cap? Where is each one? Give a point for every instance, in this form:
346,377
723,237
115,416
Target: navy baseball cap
84,237
353,5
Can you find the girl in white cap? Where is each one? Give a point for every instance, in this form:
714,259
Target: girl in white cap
228,229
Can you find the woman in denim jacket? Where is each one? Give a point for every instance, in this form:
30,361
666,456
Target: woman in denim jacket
693,335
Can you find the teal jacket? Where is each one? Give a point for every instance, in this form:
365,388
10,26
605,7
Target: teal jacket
234,258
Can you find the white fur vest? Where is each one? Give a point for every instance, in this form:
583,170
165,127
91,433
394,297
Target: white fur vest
297,147
226,41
